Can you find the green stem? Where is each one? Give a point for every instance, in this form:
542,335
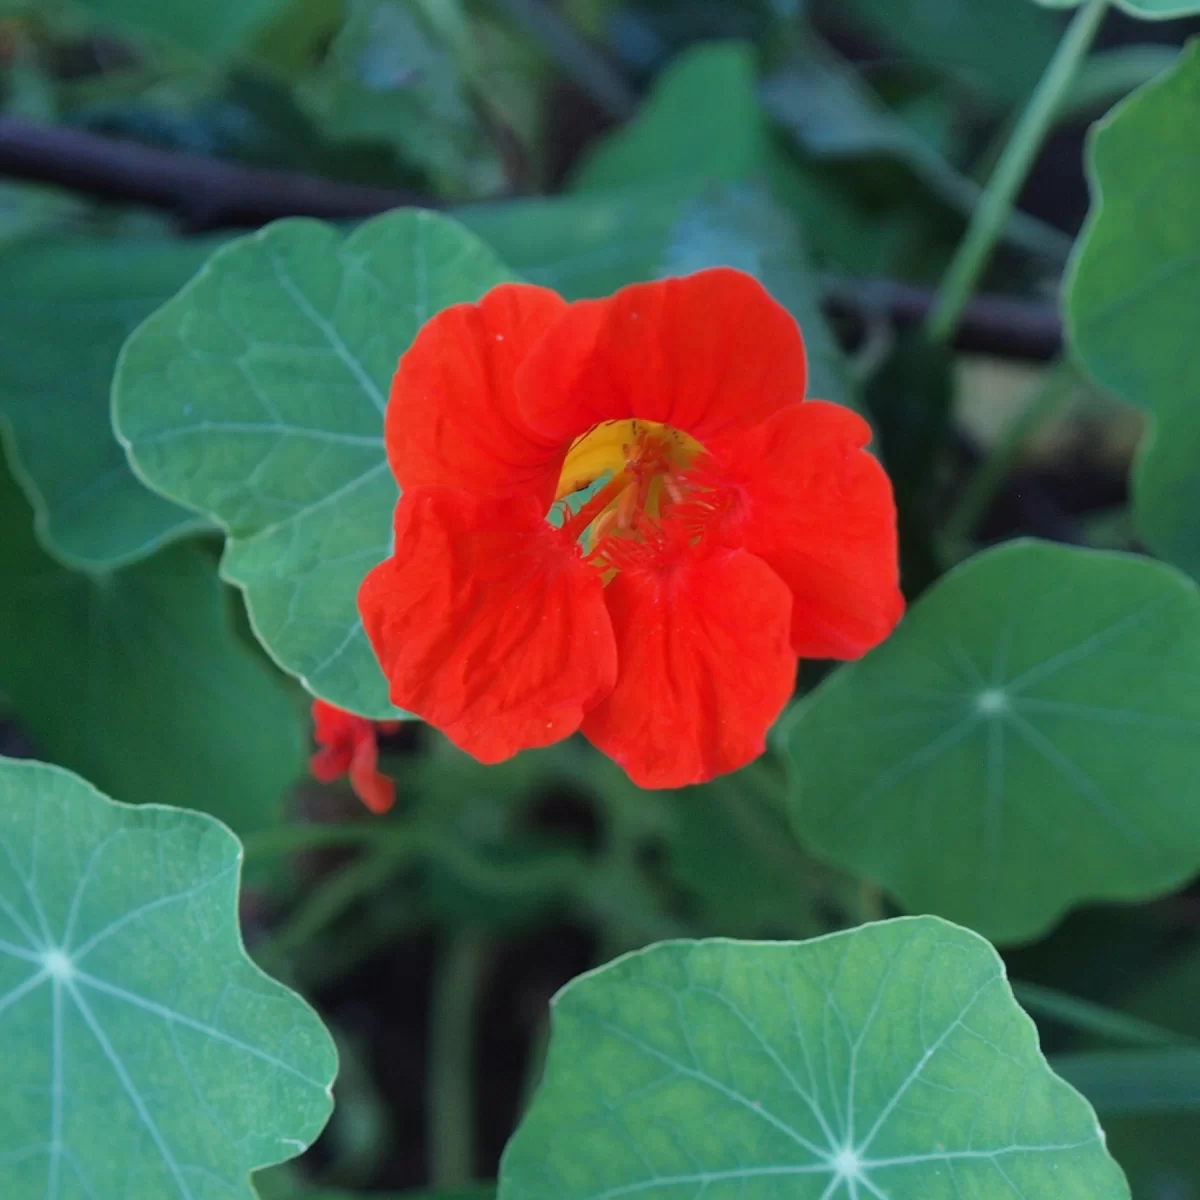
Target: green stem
996,206
457,985
977,497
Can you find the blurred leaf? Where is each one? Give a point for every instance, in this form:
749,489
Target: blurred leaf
138,680
257,396
70,303
730,848
1024,742
1124,1082
144,1054
214,27
824,104
1133,283
583,245
702,123
1158,1152
891,1059
390,77
997,46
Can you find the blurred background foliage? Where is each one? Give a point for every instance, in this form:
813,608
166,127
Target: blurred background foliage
833,147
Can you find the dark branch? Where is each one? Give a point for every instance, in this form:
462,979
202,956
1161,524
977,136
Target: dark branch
208,193
205,192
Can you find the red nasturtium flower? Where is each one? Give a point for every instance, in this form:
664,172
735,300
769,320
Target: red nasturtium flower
735,527
347,746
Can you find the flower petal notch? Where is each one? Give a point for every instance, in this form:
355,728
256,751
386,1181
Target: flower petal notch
621,516
144,1054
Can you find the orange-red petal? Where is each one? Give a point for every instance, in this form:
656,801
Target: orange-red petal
488,623
807,498
708,353
346,745
706,665
452,418
376,791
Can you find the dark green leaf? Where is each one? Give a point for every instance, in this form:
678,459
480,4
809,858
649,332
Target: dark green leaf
1134,280
68,305
138,680
1025,741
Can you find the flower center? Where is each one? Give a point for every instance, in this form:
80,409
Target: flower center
619,473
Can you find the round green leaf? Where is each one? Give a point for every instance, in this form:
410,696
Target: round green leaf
1027,739
138,679
257,396
145,1057
70,303
890,1061
1135,281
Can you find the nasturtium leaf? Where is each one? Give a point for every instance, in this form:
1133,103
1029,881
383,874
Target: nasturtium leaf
1027,739
213,28
69,303
145,1057
138,679
1135,279
888,1061
256,396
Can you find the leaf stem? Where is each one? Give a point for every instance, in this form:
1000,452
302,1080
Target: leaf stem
996,205
457,984
977,497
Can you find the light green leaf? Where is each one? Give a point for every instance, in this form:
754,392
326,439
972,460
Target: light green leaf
1136,276
702,123
1026,740
145,1057
257,396
215,27
888,1061
138,680
71,302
